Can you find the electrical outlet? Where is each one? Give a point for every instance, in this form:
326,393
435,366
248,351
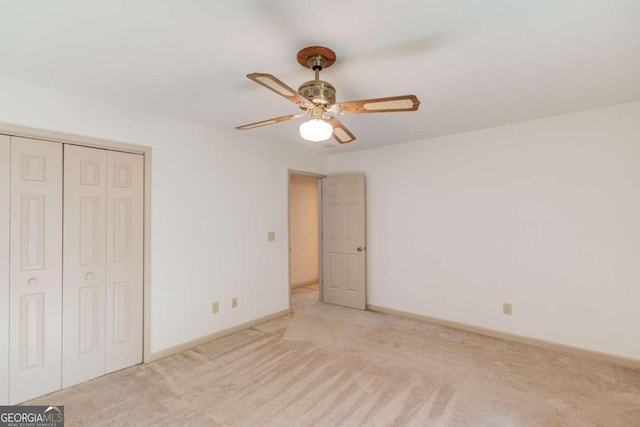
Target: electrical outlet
215,307
234,302
506,308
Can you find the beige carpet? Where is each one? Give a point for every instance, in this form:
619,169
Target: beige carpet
331,366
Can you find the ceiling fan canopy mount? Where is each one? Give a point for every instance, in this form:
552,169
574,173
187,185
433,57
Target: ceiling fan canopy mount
316,56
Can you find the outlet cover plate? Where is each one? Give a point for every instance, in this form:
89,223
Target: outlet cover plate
506,308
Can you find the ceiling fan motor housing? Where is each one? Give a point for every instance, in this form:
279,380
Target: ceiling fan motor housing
318,92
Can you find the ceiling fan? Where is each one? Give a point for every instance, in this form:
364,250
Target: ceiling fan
317,99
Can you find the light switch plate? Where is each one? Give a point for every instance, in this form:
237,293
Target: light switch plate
271,236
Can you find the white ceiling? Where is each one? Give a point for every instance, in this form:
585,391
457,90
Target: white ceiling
473,64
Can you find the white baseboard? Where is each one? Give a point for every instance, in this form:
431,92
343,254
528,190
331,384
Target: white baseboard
157,355
566,349
305,283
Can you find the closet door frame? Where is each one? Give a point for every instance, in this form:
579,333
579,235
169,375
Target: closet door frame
5,196
67,138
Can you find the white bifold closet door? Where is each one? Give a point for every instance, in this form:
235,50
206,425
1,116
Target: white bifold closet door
35,269
103,262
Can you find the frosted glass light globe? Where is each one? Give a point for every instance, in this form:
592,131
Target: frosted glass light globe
316,130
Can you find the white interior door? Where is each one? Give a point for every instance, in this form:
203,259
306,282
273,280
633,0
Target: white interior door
36,269
5,194
85,184
344,240
125,246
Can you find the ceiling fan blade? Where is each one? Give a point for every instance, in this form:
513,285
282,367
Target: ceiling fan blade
341,133
272,83
268,122
378,105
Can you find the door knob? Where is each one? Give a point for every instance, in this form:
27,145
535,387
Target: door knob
32,282
360,248
88,276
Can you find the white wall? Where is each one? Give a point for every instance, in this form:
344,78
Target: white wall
542,214
215,195
303,229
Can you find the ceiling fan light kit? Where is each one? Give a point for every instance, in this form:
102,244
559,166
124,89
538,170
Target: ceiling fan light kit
317,99
316,130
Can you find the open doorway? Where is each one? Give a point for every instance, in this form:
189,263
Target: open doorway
304,238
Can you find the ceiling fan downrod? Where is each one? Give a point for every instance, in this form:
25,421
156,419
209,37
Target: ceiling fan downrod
317,63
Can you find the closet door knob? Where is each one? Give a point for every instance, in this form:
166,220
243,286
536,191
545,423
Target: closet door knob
32,282
88,276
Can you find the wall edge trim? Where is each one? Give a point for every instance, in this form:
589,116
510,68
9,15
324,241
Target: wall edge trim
305,283
161,354
522,339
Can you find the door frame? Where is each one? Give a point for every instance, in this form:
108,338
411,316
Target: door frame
319,178
86,141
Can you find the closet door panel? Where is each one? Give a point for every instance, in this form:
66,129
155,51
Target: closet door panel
5,194
125,174
85,176
35,269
